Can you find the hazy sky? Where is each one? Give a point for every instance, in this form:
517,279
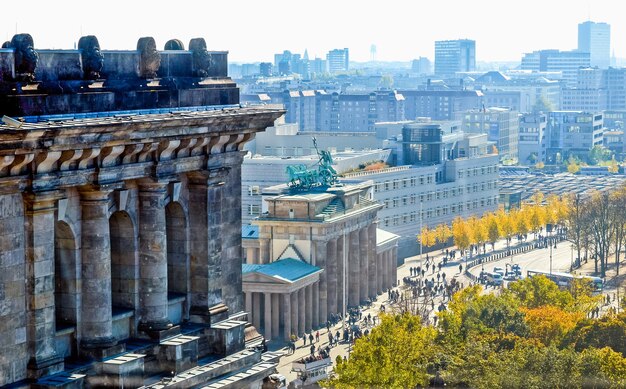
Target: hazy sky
252,30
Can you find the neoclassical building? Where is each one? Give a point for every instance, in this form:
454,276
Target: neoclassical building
120,217
312,253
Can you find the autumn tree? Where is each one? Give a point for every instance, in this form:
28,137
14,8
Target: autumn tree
493,230
428,237
550,324
461,234
442,233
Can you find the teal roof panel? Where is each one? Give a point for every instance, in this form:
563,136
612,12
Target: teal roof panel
287,269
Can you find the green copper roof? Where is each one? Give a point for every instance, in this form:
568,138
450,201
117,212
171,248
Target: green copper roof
288,269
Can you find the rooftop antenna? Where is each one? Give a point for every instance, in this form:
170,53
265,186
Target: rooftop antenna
373,53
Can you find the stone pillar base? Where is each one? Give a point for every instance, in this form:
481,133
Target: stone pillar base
61,381
146,331
212,315
178,354
100,353
227,337
125,371
43,367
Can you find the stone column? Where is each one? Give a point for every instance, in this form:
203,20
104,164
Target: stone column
380,273
371,262
316,306
394,263
287,316
264,250
308,295
153,258
342,250
390,267
205,220
321,252
331,276
364,267
248,296
230,230
295,327
301,311
267,316
353,268
384,260
40,311
275,315
96,325
256,310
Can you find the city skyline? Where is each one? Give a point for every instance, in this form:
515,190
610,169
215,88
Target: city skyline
503,31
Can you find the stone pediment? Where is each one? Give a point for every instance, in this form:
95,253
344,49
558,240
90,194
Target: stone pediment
263,278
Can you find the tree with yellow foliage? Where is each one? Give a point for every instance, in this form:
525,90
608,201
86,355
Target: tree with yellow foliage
427,238
521,222
442,233
536,215
493,229
461,234
550,324
478,231
507,225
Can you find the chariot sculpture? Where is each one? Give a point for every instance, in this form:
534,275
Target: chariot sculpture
303,177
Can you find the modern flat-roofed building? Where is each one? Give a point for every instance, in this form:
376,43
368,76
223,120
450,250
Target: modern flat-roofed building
338,60
453,56
595,39
501,125
566,62
532,138
573,133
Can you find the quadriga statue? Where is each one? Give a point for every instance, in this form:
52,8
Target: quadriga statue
91,57
201,57
25,57
150,60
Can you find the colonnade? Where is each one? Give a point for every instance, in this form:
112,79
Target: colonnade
353,272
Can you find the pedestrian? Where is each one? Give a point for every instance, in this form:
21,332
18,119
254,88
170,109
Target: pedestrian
312,349
317,337
337,336
460,268
423,272
330,339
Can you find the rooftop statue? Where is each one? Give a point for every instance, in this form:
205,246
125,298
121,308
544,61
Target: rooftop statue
150,58
300,177
25,57
91,57
201,57
174,44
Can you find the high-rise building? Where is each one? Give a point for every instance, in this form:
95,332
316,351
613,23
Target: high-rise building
595,39
421,66
338,60
455,56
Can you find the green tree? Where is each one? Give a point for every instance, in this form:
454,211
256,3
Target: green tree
535,292
396,354
542,104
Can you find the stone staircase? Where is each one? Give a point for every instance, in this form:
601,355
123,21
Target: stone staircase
200,356
334,207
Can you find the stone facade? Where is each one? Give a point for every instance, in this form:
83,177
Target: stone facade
332,229
120,229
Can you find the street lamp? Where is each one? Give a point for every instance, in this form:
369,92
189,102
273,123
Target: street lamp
550,258
571,263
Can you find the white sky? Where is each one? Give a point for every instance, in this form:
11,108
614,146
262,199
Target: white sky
253,30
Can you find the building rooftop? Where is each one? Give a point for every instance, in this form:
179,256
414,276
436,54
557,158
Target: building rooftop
288,269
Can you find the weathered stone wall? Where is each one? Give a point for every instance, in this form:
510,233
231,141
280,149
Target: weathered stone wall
13,351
